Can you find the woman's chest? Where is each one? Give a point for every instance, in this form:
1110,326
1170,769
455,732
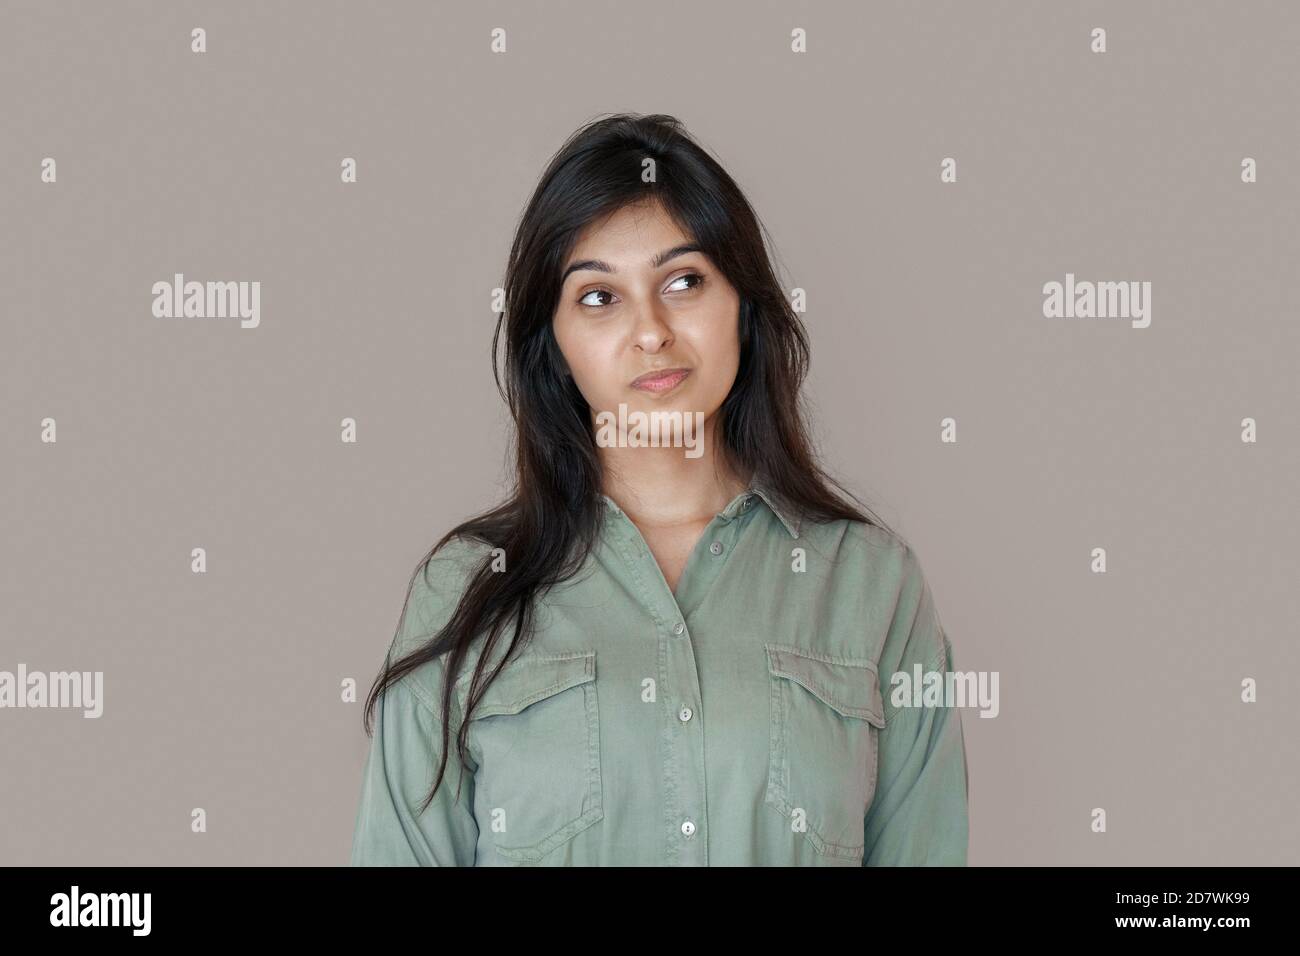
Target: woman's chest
671,549
758,720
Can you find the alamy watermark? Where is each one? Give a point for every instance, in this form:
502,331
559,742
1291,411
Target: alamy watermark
76,908
651,430
55,689
208,300
919,688
1098,300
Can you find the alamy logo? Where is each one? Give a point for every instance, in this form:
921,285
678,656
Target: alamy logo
642,430
55,689
102,909
1098,300
946,689
208,300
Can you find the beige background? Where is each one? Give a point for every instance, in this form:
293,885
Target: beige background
222,690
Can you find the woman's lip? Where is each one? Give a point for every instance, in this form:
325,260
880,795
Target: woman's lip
663,381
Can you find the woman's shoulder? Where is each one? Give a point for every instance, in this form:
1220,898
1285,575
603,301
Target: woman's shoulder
897,582
434,590
857,537
454,558
436,584
870,553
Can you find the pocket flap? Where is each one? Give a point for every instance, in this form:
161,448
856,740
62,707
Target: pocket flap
530,678
851,687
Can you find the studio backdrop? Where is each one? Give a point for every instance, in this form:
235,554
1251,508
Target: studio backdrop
1045,255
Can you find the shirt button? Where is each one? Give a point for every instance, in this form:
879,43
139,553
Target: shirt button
688,828
716,547
684,714
679,627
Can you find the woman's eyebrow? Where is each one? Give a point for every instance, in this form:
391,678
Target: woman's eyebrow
599,265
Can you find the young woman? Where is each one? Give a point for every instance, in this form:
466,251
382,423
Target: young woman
673,653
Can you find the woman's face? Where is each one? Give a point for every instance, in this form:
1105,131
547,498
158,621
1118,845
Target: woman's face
634,302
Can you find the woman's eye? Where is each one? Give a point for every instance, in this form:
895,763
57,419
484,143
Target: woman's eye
690,275
587,300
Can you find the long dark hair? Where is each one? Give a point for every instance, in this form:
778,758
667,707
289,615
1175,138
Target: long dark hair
554,514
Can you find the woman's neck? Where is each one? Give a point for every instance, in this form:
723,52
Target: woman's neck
661,487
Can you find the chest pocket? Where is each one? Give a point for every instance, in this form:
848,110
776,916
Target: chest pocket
535,737
826,715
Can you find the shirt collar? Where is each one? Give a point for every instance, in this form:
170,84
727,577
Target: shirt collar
780,506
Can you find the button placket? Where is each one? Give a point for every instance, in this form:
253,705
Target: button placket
683,751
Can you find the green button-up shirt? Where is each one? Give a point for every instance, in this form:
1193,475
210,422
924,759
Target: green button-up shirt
746,720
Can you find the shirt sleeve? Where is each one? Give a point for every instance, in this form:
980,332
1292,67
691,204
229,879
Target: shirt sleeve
918,816
399,771
406,745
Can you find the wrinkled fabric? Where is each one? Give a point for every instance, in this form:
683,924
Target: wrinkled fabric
744,721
